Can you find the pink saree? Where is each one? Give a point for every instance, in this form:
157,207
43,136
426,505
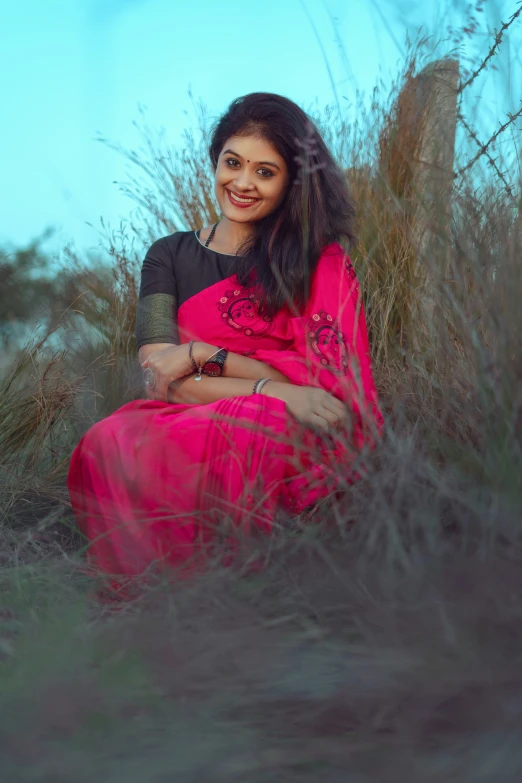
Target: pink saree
153,482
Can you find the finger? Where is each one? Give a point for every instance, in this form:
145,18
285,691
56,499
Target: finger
145,364
336,402
158,397
150,392
158,390
318,422
149,376
161,388
335,406
331,417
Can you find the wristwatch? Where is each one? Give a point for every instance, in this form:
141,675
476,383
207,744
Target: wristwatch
214,366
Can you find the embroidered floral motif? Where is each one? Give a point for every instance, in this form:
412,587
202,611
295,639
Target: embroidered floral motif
328,342
240,310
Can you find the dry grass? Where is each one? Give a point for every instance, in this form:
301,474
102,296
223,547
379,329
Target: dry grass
381,641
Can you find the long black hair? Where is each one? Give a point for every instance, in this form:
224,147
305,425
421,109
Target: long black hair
285,246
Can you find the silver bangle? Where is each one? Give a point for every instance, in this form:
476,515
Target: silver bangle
258,385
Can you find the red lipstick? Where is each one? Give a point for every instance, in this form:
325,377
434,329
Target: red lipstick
241,204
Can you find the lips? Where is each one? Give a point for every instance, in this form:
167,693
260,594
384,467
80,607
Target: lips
241,202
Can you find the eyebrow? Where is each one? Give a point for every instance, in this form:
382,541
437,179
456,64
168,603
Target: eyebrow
259,163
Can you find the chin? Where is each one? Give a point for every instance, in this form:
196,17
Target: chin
237,216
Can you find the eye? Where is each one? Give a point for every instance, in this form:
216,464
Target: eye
266,173
231,162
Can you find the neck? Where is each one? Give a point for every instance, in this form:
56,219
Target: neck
234,234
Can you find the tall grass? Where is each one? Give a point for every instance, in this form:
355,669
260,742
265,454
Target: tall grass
381,641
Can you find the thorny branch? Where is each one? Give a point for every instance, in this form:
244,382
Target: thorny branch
492,161
492,51
484,147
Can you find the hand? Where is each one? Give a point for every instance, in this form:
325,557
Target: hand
168,365
313,407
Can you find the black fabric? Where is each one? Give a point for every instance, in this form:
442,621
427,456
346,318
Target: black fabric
156,318
176,267
179,265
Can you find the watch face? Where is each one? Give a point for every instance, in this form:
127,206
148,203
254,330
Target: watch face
213,369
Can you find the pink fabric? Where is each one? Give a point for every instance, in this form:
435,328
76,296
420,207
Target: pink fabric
156,482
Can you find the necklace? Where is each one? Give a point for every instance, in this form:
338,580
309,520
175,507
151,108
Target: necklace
211,235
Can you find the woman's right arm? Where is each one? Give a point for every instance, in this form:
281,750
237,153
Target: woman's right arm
236,365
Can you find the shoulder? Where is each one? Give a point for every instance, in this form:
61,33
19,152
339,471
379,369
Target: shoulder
167,249
167,244
334,260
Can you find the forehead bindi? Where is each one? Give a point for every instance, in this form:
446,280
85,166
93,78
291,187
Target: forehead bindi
253,150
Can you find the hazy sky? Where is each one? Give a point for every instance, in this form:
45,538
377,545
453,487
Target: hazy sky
72,68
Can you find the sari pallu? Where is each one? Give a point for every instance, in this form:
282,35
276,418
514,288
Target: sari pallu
154,481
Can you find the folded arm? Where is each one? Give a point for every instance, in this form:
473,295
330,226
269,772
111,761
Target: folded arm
190,392
237,380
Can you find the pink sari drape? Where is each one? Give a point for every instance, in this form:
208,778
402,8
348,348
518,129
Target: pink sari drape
154,481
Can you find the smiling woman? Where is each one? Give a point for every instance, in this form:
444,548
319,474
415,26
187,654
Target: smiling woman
246,181
253,341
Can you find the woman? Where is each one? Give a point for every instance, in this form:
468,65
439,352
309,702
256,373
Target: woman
255,354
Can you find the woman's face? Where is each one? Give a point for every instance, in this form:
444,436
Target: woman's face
251,179
244,313
328,343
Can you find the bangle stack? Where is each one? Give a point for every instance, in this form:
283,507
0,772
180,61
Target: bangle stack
213,365
258,385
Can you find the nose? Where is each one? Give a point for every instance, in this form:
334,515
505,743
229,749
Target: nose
243,180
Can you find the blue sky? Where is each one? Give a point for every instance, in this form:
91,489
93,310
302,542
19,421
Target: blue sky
72,68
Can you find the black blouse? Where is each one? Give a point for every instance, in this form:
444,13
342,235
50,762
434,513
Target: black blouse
175,268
